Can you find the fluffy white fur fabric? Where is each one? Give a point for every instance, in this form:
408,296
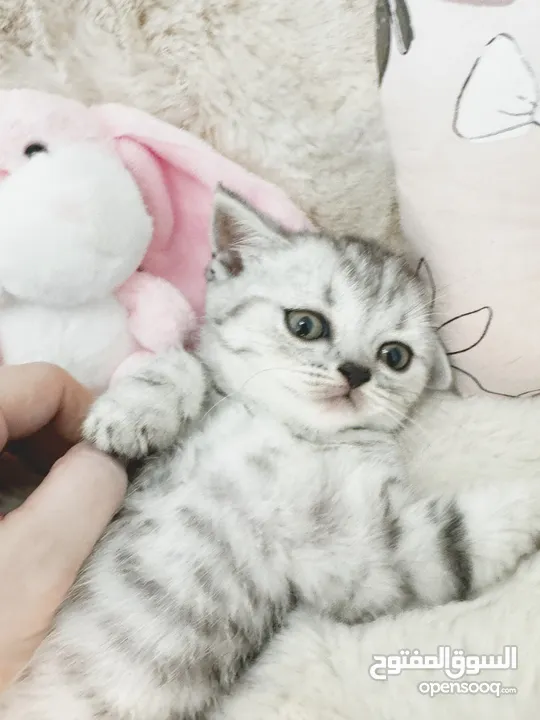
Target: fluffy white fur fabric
285,88
288,89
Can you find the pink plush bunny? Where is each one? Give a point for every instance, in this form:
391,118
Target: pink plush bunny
104,226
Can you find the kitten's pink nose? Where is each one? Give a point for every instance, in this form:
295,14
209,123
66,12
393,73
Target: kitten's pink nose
355,375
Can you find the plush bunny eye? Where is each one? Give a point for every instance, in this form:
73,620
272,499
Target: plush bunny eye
396,355
34,149
307,325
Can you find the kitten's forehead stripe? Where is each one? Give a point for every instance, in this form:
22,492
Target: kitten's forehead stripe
329,295
380,277
244,306
372,269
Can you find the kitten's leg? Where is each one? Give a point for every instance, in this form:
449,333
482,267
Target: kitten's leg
148,410
451,548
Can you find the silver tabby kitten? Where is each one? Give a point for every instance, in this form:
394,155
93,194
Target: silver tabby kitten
277,481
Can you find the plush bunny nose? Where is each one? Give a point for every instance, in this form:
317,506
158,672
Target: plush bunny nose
355,375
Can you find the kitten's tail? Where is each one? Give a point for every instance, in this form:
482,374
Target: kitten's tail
452,547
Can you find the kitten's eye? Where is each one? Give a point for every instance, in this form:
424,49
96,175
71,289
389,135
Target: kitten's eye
396,355
307,325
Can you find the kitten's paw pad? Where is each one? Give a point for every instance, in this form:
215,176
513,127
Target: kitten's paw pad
129,430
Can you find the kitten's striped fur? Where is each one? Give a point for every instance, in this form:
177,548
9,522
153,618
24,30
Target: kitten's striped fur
270,487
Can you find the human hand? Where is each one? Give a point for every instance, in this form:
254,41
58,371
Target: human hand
44,542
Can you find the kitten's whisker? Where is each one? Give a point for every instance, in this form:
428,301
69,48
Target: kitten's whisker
403,418
319,376
237,392
225,397
409,420
383,400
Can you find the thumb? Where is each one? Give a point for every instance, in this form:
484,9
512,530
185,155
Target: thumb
44,542
43,545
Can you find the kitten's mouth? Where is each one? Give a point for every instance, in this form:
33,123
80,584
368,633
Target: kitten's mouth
338,397
344,400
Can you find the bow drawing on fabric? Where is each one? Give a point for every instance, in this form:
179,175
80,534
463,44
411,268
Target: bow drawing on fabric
500,96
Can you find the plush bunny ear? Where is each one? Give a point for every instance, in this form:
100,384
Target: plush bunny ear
177,175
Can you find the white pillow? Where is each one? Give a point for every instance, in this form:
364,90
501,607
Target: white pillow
461,96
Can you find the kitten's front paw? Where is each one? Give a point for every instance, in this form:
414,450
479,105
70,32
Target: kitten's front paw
124,424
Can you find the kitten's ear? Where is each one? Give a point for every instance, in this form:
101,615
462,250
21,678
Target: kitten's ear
240,232
441,371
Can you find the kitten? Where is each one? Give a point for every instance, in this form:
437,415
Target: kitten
276,480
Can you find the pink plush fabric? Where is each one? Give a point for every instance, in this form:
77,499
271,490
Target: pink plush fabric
176,174
158,314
